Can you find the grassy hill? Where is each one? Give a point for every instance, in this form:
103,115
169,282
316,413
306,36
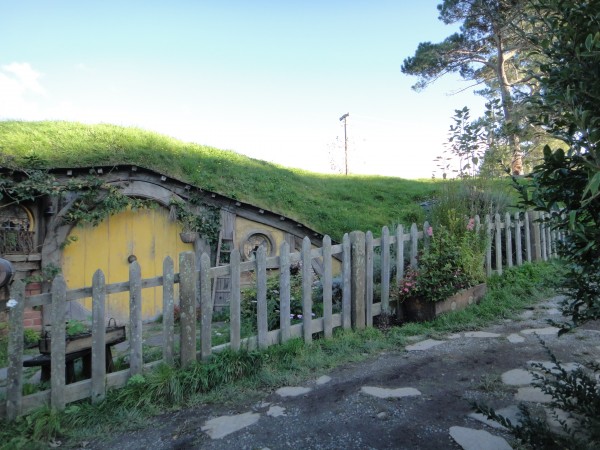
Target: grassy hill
331,204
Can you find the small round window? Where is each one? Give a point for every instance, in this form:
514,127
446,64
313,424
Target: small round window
254,241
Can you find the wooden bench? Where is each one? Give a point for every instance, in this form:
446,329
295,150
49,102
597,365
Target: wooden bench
85,355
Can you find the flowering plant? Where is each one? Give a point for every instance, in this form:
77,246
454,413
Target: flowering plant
440,271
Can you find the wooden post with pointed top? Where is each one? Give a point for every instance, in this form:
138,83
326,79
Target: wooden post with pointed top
357,241
98,337
14,385
187,305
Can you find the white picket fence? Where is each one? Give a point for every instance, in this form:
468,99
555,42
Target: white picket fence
517,238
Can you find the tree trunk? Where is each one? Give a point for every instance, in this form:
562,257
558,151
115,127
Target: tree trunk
516,165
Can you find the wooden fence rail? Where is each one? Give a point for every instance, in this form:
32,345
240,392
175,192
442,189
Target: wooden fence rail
512,239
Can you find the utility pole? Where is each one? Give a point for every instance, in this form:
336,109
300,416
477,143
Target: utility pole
344,117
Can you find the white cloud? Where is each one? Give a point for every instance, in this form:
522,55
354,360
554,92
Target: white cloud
19,86
25,76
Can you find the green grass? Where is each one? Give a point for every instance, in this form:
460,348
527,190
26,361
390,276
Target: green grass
330,204
233,377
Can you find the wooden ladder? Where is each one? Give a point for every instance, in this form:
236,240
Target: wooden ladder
222,285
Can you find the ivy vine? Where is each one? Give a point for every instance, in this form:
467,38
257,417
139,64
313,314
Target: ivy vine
197,216
96,200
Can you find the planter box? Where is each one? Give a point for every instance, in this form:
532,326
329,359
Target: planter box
421,310
114,335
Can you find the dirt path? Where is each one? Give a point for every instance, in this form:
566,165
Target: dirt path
343,410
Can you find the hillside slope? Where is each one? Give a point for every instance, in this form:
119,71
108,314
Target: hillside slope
331,204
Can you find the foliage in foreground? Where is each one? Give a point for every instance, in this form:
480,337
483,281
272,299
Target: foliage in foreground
575,394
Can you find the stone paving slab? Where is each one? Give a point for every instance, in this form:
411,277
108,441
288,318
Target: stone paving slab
222,426
481,334
470,439
390,393
515,338
276,411
423,345
323,380
511,413
517,377
533,395
547,331
292,391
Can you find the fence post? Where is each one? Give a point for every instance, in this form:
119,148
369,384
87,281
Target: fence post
306,290
549,236
357,240
206,307
488,251
58,345
498,225
14,387
235,311
187,305
508,238
284,291
135,319
327,289
369,280
347,288
518,244
261,297
399,253
414,245
543,237
527,228
168,307
98,337
537,243
385,269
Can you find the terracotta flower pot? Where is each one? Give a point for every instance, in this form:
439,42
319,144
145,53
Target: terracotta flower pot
188,237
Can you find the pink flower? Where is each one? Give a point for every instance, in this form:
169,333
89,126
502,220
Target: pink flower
430,231
471,224
408,284
405,289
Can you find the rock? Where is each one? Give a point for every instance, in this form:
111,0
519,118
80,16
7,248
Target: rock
470,439
382,415
454,336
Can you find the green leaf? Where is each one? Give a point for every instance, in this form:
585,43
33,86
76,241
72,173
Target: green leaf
593,186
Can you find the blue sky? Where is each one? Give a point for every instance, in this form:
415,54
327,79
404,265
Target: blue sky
268,79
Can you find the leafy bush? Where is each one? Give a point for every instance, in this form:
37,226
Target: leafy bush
30,337
249,302
576,393
440,272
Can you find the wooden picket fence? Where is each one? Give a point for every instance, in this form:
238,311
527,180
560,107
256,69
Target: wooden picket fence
525,239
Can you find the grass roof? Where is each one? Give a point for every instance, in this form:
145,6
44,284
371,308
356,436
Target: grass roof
330,204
